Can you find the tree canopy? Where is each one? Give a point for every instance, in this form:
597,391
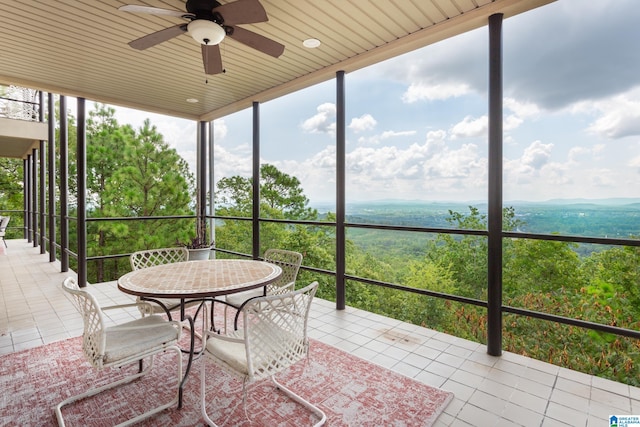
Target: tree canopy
281,196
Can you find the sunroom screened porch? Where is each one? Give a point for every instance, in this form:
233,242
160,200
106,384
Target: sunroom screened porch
202,143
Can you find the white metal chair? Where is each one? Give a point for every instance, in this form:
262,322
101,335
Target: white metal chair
151,257
4,221
273,337
116,346
289,261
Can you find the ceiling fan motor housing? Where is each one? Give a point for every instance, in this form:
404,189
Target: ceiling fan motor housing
203,9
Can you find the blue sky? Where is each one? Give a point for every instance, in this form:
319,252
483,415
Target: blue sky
417,124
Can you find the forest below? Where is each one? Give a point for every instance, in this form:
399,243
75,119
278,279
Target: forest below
618,218
133,173
614,218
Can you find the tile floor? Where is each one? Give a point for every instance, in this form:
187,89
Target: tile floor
510,390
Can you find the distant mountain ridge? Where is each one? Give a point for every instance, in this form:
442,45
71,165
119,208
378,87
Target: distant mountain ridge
574,201
619,201
630,202
615,217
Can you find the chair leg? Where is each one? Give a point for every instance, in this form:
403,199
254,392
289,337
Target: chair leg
211,315
203,398
311,407
314,409
225,318
125,380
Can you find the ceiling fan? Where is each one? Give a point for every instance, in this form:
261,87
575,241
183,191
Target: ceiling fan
209,23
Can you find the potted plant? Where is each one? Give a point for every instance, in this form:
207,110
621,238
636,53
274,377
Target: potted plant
199,247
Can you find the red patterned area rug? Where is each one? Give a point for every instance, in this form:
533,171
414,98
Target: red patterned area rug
351,391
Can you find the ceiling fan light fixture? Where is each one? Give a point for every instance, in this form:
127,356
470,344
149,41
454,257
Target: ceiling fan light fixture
205,32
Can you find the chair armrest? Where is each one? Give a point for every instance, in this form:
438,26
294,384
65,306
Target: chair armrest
239,311
133,304
111,307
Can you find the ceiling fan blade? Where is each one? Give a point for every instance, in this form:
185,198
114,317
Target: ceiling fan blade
256,41
153,10
153,39
242,12
211,59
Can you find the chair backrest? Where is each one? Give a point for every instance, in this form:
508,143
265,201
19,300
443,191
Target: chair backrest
94,338
289,262
151,257
275,331
4,221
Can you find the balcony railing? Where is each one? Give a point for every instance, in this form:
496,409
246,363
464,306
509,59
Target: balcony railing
121,263
19,103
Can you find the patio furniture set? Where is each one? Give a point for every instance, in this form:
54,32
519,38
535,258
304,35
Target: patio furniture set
271,336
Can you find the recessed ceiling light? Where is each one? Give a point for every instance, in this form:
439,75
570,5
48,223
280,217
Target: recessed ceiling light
311,43
192,100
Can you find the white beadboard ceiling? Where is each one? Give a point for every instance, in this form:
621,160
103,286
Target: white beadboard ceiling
79,48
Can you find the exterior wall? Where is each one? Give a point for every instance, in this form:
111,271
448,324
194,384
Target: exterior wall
19,137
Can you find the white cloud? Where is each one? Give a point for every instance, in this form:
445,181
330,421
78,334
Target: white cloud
383,163
426,91
521,109
579,154
461,163
431,168
377,139
536,155
470,127
232,162
598,149
534,168
436,135
576,154
220,129
316,174
635,163
556,176
323,121
620,116
511,122
362,123
603,178
534,176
